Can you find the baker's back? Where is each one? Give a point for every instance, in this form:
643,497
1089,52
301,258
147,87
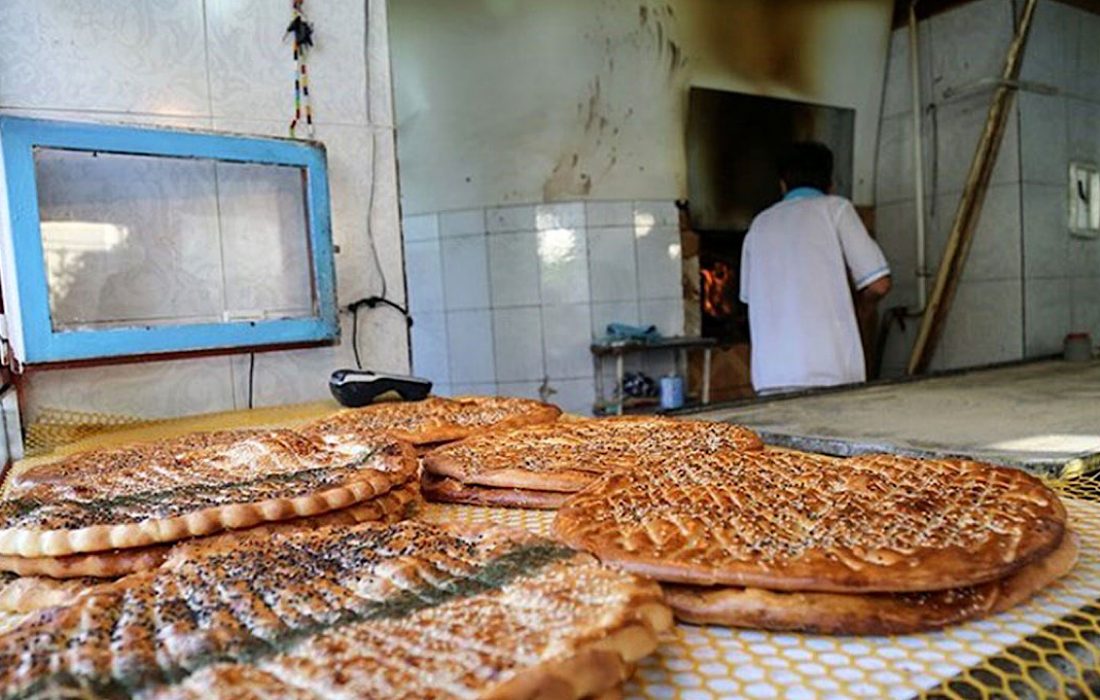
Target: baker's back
795,266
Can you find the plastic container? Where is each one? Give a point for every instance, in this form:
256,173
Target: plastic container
672,391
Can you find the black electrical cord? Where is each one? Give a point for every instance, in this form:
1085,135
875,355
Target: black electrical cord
370,303
251,375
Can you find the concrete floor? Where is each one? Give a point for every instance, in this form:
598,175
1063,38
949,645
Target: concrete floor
1041,416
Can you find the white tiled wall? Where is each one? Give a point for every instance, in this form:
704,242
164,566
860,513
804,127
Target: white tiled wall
1027,281
508,299
223,65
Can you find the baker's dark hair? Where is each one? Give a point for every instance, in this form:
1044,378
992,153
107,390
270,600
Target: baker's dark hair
807,164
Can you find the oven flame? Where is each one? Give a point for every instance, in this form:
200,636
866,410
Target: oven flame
717,290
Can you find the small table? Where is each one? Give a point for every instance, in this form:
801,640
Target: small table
620,348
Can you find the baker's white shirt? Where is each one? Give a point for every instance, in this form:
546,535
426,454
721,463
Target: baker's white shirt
797,260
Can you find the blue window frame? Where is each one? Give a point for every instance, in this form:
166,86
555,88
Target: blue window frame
36,339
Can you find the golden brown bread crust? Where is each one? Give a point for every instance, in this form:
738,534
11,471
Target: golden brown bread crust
568,455
870,613
866,614
796,522
388,507
24,594
405,611
434,420
277,475
444,489
134,459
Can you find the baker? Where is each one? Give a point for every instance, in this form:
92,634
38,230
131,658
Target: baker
801,258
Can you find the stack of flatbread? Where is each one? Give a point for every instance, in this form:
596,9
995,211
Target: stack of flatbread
433,421
539,466
868,545
408,610
105,514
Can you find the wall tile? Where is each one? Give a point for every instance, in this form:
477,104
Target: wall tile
148,389
251,73
379,68
514,269
604,313
522,390
559,216
1046,234
475,389
563,266
466,222
897,93
613,274
990,330
465,272
429,347
959,125
566,339
1046,315
424,276
659,267
894,160
1084,257
656,213
505,219
470,346
1085,306
518,346
995,251
666,314
1043,136
609,214
1084,145
125,57
421,227
1050,43
895,231
969,43
575,396
1086,64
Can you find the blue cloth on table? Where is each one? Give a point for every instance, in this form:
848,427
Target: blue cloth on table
624,331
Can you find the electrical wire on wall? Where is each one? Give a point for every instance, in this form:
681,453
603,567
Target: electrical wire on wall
382,298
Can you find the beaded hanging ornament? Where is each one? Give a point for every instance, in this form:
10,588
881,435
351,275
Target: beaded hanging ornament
301,34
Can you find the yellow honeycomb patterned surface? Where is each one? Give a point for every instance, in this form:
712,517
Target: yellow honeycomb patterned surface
966,661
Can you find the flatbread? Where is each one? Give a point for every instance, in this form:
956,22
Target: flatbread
132,459
444,489
408,610
24,594
568,455
872,613
276,475
433,420
389,507
795,522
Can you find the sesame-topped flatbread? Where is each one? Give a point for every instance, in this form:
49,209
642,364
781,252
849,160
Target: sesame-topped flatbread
568,455
265,477
410,610
785,521
433,420
867,613
396,504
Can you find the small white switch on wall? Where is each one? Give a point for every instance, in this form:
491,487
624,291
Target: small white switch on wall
1084,200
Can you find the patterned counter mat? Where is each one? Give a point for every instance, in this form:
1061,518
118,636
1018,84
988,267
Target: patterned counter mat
701,663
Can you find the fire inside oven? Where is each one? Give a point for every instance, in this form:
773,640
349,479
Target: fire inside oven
723,315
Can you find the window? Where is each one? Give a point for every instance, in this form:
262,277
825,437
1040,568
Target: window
121,241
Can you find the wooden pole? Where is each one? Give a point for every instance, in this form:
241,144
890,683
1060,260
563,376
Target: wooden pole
970,206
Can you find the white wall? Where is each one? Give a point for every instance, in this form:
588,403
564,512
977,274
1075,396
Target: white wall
524,101
223,65
1027,281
